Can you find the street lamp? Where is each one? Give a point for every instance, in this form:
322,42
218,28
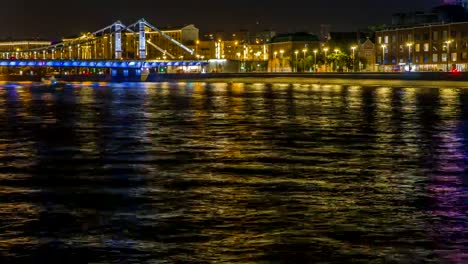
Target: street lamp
295,53
304,63
449,57
281,64
383,57
353,48
315,59
274,59
409,55
326,66
336,51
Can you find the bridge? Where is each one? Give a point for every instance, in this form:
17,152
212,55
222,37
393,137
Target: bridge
99,64
118,47
140,40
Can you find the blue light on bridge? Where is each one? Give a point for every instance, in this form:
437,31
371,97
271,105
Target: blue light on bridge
98,64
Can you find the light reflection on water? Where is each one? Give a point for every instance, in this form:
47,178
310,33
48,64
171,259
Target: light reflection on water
245,173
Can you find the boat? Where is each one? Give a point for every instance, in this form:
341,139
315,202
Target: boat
49,80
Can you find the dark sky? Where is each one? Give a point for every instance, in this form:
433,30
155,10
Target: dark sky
57,18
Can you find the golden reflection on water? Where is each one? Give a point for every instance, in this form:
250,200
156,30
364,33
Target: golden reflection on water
237,172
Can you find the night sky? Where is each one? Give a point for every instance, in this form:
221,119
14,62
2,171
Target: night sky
57,18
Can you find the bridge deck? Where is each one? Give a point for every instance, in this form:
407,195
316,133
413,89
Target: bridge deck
115,64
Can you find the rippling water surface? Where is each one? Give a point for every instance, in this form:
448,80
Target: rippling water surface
233,173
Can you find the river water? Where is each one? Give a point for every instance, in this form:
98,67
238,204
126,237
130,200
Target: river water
233,173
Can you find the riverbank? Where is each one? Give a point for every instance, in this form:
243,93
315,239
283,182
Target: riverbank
427,79
432,79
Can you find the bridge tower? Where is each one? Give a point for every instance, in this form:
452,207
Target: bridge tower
118,40
142,39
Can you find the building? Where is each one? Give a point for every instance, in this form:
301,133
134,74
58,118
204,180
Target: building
366,55
439,14
432,47
289,52
463,3
158,46
13,48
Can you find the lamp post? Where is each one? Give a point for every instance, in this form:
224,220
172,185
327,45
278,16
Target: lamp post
335,63
281,64
409,55
295,53
304,64
383,57
274,59
353,48
326,62
449,57
315,60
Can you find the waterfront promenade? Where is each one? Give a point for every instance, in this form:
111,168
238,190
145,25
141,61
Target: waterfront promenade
369,78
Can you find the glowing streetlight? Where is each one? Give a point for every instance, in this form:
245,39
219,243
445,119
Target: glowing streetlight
315,59
336,51
326,51
353,48
383,56
281,65
304,63
295,53
409,45
449,56
274,59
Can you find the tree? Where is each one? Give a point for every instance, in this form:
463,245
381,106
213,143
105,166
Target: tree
339,60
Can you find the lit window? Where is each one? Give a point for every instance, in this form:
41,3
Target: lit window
417,47
426,47
454,56
435,57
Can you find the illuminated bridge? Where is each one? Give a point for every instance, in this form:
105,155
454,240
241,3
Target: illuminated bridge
98,64
140,40
117,48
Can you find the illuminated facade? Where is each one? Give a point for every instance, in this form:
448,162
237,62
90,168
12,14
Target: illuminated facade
366,54
285,52
436,47
13,48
